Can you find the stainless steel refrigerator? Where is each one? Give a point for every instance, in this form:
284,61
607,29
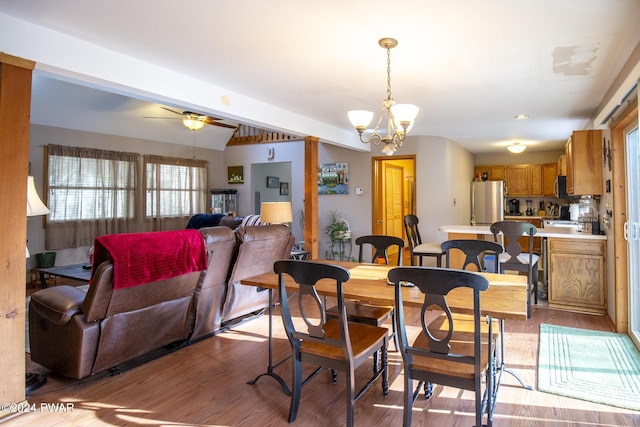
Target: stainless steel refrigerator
487,202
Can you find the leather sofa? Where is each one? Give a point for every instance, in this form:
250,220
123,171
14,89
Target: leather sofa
78,334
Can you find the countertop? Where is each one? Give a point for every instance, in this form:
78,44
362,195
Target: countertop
555,232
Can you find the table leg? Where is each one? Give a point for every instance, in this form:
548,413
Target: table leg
502,366
271,366
43,280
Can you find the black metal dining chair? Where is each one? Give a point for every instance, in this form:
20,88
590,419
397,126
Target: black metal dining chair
416,247
335,344
513,258
363,311
460,356
475,252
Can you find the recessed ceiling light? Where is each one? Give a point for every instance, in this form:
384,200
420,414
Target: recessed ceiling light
522,117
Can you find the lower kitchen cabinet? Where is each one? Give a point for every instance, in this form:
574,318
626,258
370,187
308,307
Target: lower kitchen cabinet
577,274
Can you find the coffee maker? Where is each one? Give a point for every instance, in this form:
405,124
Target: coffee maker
514,207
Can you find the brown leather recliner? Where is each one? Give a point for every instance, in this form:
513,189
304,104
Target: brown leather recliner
260,247
221,246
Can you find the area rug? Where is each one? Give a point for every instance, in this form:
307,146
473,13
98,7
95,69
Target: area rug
600,367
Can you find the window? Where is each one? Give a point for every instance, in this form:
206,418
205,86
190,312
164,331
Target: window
175,188
90,192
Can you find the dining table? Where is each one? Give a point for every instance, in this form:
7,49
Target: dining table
506,298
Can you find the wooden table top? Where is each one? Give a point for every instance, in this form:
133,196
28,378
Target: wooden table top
506,297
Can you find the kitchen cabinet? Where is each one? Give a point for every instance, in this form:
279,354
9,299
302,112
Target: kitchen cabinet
577,274
549,175
517,180
583,153
494,173
561,165
535,180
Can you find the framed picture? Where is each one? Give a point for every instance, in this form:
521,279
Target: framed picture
284,188
273,182
333,178
235,175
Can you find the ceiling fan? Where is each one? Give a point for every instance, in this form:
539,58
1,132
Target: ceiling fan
194,121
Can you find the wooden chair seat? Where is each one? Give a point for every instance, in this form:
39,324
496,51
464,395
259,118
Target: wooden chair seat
461,343
362,312
363,338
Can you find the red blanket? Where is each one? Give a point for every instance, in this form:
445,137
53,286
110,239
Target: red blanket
140,258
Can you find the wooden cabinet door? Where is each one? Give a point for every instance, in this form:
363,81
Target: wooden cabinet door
549,175
496,173
568,152
535,180
518,180
577,274
562,165
586,162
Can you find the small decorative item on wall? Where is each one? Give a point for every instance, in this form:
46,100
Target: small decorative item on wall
284,188
273,182
235,175
333,178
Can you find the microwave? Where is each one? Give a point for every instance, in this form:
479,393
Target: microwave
560,187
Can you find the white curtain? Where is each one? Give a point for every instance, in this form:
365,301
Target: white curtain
90,193
175,190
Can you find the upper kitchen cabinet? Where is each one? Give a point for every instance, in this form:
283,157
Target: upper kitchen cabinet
561,165
494,173
549,175
584,163
518,180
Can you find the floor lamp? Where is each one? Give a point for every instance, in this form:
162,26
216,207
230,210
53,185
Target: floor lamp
35,207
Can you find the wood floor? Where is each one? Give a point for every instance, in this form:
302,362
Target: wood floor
206,385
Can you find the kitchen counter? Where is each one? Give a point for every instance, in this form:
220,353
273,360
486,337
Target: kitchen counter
555,232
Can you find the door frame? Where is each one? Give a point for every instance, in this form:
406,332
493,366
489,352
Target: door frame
378,193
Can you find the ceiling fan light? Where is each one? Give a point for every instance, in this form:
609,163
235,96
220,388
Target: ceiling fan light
360,119
193,124
516,148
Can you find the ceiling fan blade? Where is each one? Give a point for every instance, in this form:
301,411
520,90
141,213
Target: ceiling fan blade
222,125
173,111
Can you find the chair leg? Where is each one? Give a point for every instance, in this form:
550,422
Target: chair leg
408,400
351,392
385,370
535,285
394,332
296,387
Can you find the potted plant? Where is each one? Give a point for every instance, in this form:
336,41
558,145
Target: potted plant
339,232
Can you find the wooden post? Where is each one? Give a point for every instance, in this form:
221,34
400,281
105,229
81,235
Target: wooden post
311,196
15,107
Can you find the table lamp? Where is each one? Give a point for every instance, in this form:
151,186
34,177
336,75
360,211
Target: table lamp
276,212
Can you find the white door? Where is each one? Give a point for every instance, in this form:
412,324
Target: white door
632,228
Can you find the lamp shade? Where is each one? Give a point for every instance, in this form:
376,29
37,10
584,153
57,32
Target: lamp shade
360,118
276,212
34,203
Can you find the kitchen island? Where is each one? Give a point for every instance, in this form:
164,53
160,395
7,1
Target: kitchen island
573,263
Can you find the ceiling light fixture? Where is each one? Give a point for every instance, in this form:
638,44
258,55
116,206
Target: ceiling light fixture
193,122
400,117
516,147
521,117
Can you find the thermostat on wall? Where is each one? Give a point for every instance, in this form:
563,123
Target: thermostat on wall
359,191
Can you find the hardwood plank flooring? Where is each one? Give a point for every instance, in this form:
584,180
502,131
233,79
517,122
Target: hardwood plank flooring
206,385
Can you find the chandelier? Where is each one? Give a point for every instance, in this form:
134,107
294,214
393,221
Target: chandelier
400,117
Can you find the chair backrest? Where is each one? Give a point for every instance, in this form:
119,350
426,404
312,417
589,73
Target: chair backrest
381,244
411,228
307,274
511,231
472,250
435,284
